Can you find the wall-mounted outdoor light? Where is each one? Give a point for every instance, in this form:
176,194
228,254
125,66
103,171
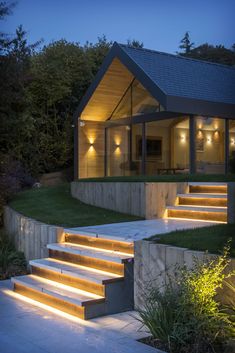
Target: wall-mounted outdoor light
183,138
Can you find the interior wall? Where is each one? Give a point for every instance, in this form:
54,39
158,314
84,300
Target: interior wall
91,142
180,143
210,145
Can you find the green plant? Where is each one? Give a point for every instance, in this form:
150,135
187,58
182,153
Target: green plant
12,262
187,316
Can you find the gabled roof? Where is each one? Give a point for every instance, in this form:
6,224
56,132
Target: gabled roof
180,84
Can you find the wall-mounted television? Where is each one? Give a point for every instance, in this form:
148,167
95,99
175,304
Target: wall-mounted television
153,147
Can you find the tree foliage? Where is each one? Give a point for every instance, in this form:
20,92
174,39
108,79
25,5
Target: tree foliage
185,44
41,90
213,53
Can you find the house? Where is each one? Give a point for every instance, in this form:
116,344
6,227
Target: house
149,112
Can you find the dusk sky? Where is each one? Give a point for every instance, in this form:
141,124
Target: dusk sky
160,24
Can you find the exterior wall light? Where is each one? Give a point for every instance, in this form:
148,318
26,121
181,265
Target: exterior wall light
183,138
82,123
232,141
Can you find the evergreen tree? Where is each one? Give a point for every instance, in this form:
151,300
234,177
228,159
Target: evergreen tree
186,44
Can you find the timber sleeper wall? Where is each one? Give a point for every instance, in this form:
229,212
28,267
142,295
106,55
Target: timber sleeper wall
143,199
29,235
153,262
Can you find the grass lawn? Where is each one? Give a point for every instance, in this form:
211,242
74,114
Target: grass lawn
55,205
212,238
166,178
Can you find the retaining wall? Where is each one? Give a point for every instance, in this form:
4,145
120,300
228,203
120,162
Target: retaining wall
29,235
153,262
147,200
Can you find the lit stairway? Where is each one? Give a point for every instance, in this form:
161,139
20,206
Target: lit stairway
204,201
86,276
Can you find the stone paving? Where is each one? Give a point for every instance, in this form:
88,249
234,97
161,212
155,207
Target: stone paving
27,328
138,230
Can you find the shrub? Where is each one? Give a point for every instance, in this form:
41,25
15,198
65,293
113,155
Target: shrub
12,262
13,178
187,317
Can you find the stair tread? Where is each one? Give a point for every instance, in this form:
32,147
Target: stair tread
204,195
83,272
106,255
66,293
198,183
97,236
197,208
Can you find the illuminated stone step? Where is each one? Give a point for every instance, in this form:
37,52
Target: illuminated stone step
218,200
218,214
217,188
204,195
70,300
99,241
105,260
85,278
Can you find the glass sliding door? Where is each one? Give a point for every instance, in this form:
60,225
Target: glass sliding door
118,151
136,149
167,146
210,145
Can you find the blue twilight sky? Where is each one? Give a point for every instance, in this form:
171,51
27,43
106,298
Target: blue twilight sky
160,24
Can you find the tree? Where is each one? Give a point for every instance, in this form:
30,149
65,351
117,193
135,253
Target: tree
186,44
218,54
15,125
133,43
5,10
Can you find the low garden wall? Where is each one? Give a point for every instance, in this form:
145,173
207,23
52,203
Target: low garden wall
153,262
144,199
29,235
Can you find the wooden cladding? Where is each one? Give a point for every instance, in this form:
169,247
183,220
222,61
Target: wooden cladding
108,92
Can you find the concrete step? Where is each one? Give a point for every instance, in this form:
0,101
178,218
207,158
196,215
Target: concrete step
105,260
217,214
70,300
203,199
218,188
81,277
99,241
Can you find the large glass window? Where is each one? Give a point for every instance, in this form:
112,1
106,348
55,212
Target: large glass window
123,109
210,145
142,101
135,101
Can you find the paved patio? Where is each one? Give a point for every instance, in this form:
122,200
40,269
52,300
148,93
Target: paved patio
138,230
27,328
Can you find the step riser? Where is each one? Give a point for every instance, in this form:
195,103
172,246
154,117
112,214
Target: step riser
69,280
202,201
208,216
212,189
88,261
100,243
45,298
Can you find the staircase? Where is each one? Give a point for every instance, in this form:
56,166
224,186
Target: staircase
204,201
86,276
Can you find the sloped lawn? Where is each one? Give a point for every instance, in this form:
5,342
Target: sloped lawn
212,238
55,205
